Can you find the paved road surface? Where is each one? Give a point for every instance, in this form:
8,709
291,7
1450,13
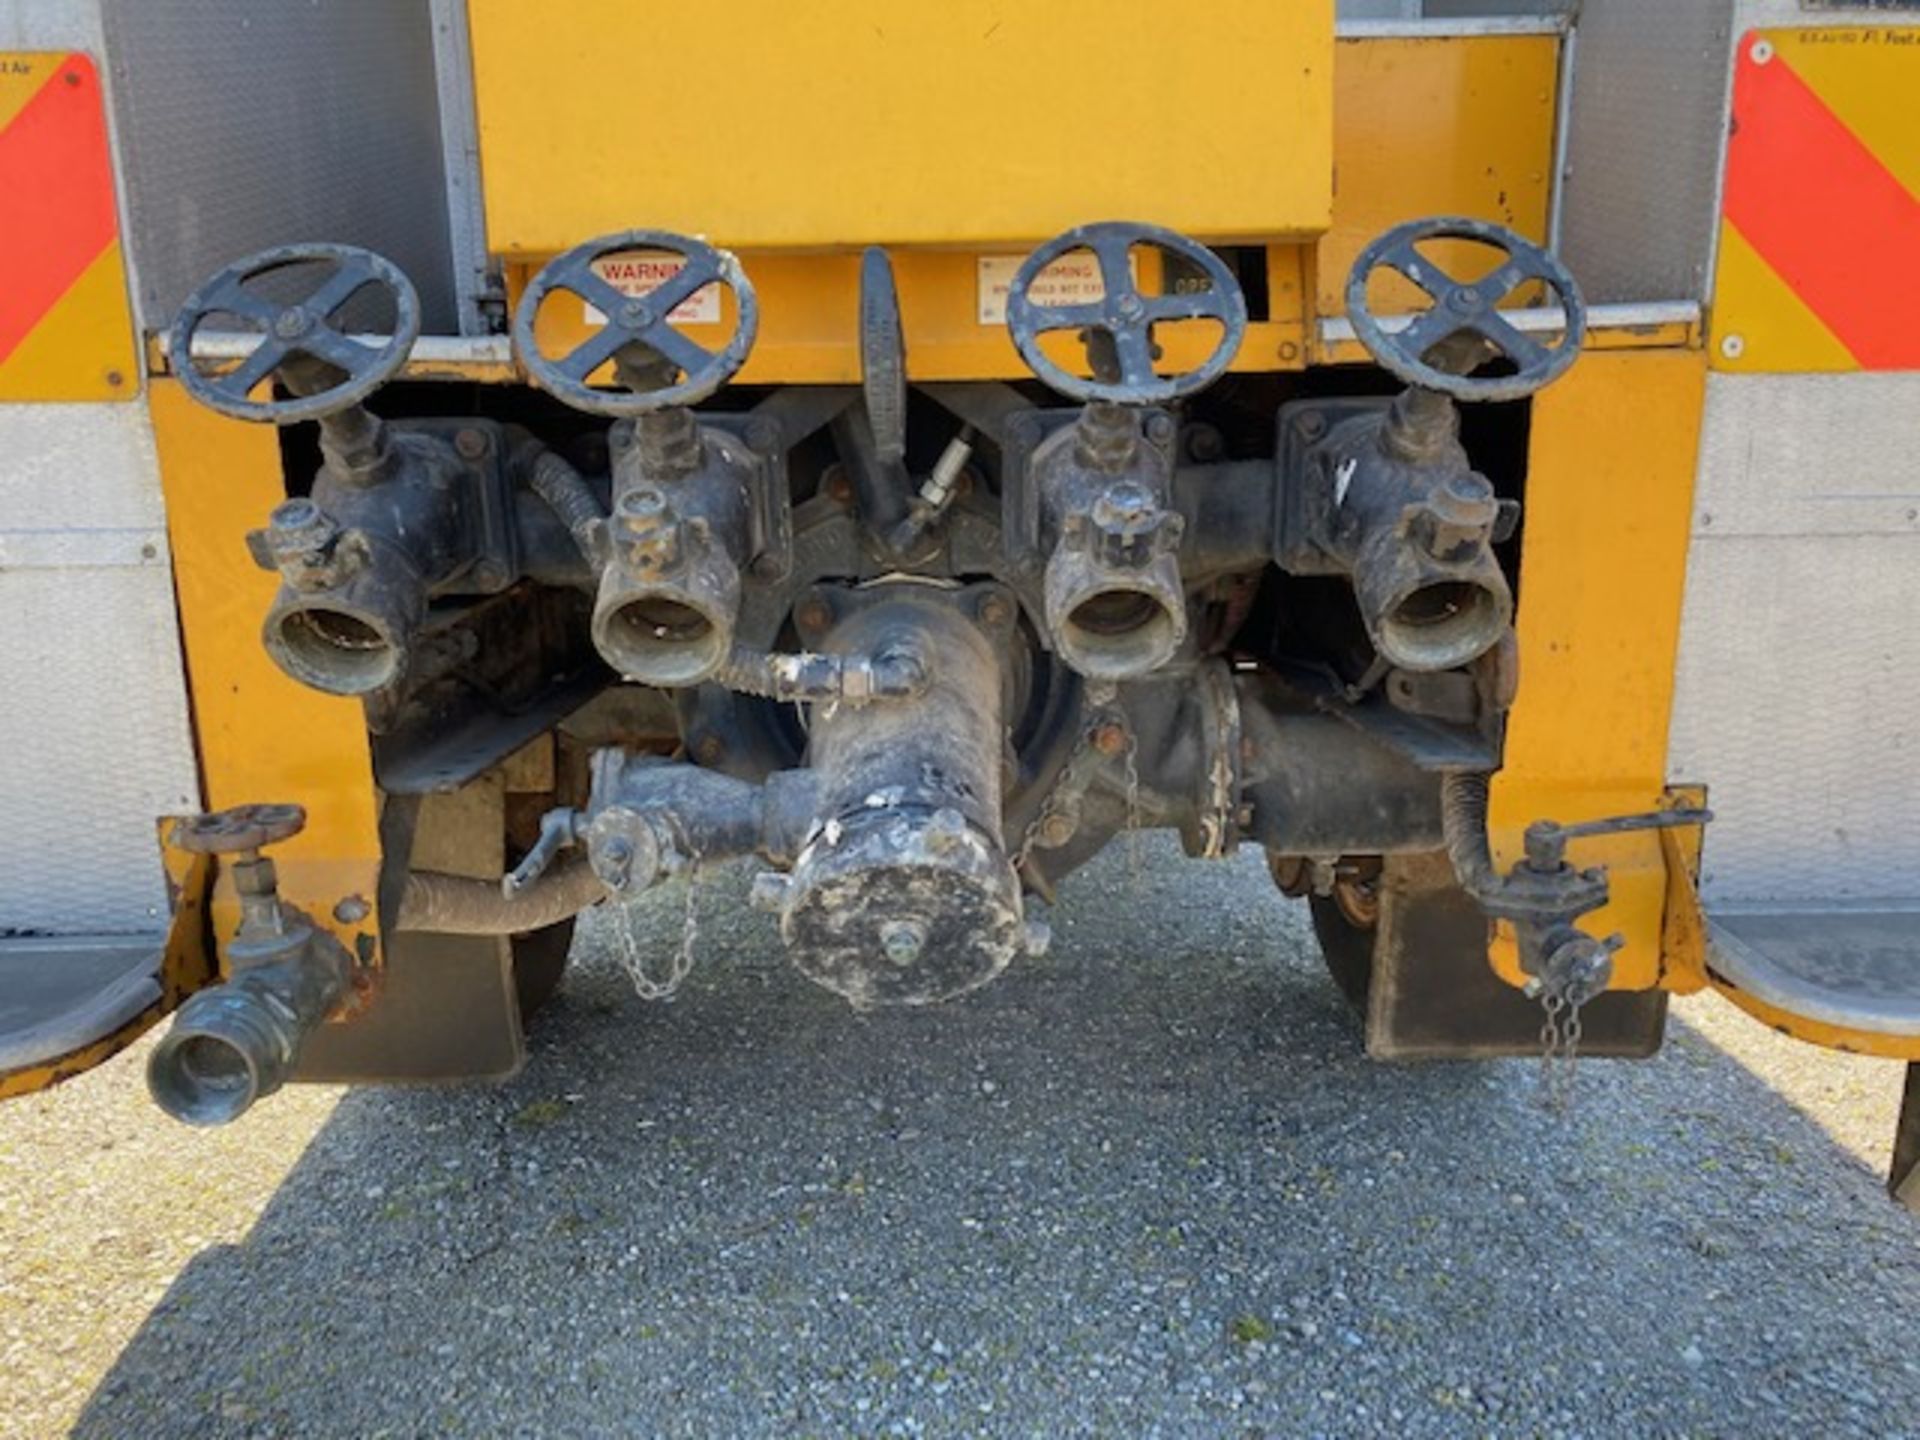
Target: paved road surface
1145,1186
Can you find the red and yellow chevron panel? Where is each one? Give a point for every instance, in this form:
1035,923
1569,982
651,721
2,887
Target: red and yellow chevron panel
66,332
1819,265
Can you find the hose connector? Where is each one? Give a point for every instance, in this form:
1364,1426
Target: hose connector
237,1043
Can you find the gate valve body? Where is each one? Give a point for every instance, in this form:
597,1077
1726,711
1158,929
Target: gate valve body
398,513
1391,498
682,526
237,1042
1115,605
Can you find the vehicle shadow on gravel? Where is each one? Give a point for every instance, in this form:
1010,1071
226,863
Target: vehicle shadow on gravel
1144,1185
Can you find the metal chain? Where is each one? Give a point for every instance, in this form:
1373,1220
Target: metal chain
1560,1040
1075,776
1130,771
633,960
1049,807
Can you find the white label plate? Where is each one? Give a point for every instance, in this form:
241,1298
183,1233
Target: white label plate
639,272
1073,279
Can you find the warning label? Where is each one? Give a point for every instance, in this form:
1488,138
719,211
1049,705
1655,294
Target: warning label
640,272
1073,279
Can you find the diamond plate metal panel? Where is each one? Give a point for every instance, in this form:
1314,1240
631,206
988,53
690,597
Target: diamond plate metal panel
1802,455
95,735
243,125
1645,126
78,467
94,726
1797,699
43,25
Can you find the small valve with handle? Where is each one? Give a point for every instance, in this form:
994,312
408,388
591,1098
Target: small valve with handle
1543,898
235,1043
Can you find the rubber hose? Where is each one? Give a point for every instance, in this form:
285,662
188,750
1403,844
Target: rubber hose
457,905
566,493
747,671
1463,817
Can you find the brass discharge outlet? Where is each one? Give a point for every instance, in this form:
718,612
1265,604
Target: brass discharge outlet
1114,604
669,597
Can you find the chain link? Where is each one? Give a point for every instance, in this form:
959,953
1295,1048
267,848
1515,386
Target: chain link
1130,772
1075,777
1560,1040
1049,808
633,959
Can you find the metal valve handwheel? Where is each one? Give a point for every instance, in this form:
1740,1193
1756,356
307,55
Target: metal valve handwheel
1466,307
637,320
302,328
244,827
1126,315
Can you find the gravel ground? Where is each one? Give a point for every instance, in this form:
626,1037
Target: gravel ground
1145,1186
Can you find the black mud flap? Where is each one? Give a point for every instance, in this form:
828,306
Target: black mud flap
1903,1178
1434,996
445,1011
445,1007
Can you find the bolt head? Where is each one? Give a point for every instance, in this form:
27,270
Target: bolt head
1733,346
901,941
1110,739
1123,506
352,910
995,609
616,861
636,314
292,516
470,444
291,323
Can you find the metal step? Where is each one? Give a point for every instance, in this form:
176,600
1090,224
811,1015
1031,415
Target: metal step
60,995
1854,969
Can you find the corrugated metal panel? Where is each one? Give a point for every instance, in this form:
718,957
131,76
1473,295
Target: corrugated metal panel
94,728
1798,693
243,125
